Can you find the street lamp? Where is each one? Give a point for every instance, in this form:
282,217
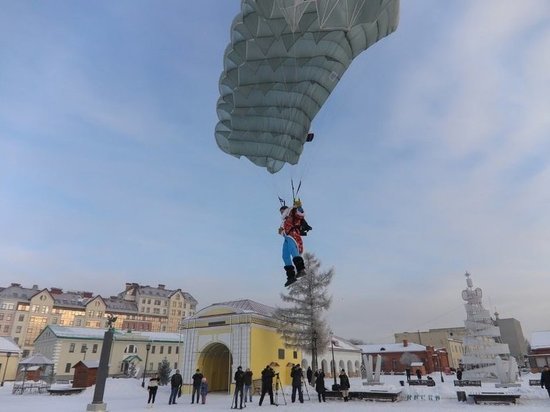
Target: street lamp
335,386
440,369
148,348
314,351
8,354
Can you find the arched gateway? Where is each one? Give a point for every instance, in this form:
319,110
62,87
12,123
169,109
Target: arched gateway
215,363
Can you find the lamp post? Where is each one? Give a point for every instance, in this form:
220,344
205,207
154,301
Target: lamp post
440,369
8,354
147,348
314,351
335,385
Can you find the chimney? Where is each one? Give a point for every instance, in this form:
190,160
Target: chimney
16,284
161,286
405,343
87,294
35,286
56,291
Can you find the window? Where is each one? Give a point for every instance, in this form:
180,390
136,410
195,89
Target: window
6,328
94,348
54,321
281,353
71,348
83,348
177,349
157,302
21,318
295,355
1,316
153,348
161,350
18,329
169,350
67,367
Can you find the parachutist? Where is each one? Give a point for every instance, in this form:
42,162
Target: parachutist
291,229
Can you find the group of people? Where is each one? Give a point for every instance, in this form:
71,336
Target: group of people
200,388
243,386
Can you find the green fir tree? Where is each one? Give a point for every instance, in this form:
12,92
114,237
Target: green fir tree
164,372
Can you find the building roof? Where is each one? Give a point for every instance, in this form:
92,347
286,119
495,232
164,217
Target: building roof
8,346
248,306
92,333
392,348
88,363
540,340
17,292
344,345
36,359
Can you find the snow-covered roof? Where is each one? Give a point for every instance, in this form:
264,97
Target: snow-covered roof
160,336
88,363
92,333
8,346
247,306
392,348
540,340
36,359
342,344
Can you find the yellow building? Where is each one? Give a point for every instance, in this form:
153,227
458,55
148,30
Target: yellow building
223,336
25,312
9,359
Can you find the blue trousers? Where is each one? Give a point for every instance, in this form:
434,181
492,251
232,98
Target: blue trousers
290,250
173,395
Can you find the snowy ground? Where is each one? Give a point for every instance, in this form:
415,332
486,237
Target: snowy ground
125,395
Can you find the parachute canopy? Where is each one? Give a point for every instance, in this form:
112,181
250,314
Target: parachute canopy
284,60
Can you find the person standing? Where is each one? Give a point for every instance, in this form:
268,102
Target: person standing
239,385
408,373
419,374
197,379
248,385
545,379
204,390
175,382
320,385
344,385
296,375
267,384
459,374
152,388
309,375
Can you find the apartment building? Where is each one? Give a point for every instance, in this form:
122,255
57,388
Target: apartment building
25,312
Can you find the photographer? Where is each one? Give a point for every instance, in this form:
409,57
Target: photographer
296,375
267,384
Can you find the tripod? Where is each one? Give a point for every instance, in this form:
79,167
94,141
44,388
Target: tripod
306,385
277,384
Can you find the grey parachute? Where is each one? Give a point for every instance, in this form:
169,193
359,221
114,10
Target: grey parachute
284,60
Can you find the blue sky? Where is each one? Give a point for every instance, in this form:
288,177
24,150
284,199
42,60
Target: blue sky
430,159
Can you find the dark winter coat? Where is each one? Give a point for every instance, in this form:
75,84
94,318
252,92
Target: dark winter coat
176,380
239,378
344,382
545,379
309,374
267,377
418,374
197,379
248,378
459,374
296,375
320,382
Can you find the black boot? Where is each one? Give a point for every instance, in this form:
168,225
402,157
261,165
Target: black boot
300,266
290,275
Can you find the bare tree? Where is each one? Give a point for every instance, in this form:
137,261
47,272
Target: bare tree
302,322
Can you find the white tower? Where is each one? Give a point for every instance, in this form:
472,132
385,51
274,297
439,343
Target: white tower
484,358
